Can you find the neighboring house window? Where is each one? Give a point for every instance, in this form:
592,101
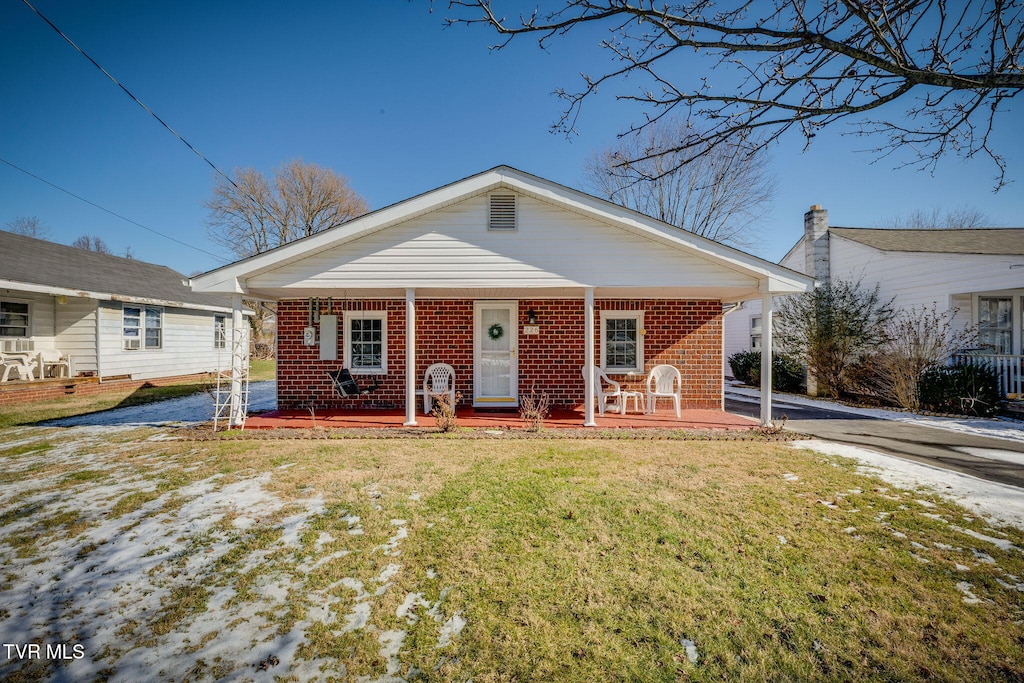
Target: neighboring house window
220,332
143,328
366,342
13,319
755,333
622,341
995,323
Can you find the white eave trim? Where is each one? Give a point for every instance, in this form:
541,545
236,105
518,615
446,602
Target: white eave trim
106,296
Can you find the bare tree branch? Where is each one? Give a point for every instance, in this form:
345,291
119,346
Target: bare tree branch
254,214
785,64
720,194
92,243
29,226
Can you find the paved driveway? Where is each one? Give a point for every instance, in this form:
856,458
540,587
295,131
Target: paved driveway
994,459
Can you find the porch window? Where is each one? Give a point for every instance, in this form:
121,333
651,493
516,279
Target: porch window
13,319
220,332
142,327
366,342
622,341
755,333
995,323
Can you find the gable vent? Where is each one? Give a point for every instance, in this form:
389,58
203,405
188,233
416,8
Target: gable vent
503,212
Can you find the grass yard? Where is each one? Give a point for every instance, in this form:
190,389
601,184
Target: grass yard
490,560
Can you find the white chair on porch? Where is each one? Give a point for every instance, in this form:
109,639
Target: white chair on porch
438,379
664,382
53,363
605,388
20,363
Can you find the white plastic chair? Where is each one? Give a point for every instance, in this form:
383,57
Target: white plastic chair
601,394
438,379
21,363
54,361
664,382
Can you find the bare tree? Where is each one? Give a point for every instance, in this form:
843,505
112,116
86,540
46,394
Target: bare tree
777,65
721,194
917,339
254,214
959,218
92,243
29,226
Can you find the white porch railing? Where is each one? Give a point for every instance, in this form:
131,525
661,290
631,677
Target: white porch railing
1010,369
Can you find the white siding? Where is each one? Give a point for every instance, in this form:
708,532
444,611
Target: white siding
737,324
916,278
187,345
736,331
452,247
75,333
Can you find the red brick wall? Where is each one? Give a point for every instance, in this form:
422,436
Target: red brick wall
687,334
12,393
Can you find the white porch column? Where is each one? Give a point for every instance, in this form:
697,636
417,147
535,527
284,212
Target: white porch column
236,417
588,357
766,360
410,357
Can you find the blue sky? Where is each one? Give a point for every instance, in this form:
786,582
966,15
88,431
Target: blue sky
381,92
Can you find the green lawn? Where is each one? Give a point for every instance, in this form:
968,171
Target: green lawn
496,560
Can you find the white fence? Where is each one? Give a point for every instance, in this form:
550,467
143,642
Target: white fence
1010,370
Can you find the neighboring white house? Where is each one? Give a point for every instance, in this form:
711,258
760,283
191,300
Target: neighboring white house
979,272
112,316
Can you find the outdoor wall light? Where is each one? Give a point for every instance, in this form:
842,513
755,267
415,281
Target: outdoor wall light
531,317
61,299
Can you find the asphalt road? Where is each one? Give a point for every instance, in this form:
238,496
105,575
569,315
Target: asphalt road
980,456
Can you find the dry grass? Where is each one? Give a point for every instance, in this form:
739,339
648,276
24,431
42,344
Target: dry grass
568,561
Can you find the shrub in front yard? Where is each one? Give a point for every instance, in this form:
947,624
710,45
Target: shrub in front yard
961,389
787,373
534,409
443,411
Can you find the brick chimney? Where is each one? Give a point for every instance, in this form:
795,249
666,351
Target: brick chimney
816,257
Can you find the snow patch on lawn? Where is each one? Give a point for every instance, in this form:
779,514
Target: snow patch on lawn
997,503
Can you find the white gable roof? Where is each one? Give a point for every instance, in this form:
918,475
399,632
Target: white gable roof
439,244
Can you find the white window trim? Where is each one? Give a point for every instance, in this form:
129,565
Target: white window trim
142,327
620,315
1015,304
220,336
28,327
347,356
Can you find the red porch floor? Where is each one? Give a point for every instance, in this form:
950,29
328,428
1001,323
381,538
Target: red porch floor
468,417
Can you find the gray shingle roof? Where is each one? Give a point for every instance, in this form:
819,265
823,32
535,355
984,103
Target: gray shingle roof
994,241
38,262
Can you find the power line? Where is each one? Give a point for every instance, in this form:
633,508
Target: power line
131,95
112,213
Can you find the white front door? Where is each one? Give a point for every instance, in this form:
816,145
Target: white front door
495,348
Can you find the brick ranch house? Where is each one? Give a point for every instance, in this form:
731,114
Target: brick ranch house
515,281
